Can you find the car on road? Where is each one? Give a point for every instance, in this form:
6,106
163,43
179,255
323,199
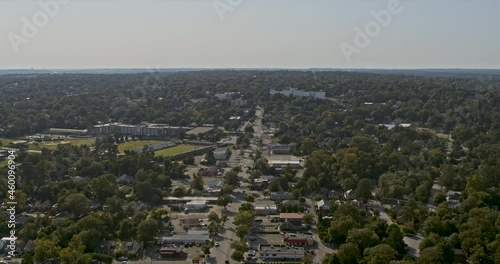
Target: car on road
227,261
216,244
8,257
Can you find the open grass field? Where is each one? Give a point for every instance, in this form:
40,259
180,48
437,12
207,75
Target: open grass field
442,136
54,144
179,149
5,141
138,144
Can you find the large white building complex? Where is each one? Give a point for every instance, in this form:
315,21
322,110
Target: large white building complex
300,93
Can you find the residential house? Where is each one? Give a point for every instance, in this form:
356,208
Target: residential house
208,172
136,205
280,196
29,247
105,247
131,246
453,199
334,195
350,195
125,179
323,206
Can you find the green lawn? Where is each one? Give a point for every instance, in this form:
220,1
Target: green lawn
54,144
138,144
168,152
6,141
3,163
442,136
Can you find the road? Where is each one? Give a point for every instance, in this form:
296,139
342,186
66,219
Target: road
322,250
223,252
413,242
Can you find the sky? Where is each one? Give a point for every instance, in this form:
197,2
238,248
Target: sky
249,34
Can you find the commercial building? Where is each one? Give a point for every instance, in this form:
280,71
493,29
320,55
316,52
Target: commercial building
200,130
183,200
146,130
300,93
298,239
188,223
265,208
278,149
170,251
64,131
222,153
196,205
184,239
270,252
280,164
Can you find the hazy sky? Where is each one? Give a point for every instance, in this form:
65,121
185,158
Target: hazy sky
256,33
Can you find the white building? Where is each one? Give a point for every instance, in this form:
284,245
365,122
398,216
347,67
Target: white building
300,93
196,205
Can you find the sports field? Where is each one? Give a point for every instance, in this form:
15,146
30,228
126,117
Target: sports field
179,149
138,144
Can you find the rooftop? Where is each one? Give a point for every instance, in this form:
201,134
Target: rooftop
199,130
292,216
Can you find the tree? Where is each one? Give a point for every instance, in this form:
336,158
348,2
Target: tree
224,200
206,249
349,254
308,219
307,146
244,218
104,187
438,198
242,231
197,183
380,254
27,258
340,227
362,238
364,190
147,230
76,204
179,191
237,255
395,239
214,217
210,157
127,230
46,248
246,207
74,253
